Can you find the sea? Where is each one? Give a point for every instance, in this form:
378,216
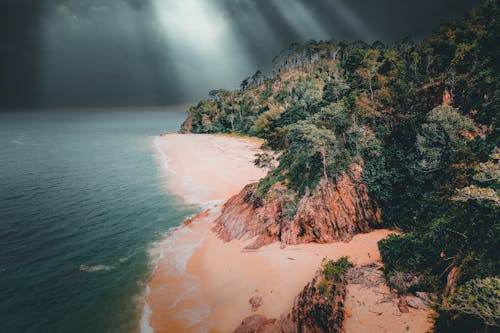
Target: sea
83,204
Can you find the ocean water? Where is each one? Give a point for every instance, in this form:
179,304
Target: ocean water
82,203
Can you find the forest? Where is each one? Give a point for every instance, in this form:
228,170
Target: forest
421,117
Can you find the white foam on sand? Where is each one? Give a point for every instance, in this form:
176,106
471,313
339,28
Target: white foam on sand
146,312
192,193
204,170
170,246
163,157
178,252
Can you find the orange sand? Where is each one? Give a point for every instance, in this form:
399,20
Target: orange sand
277,275
209,167
370,312
212,291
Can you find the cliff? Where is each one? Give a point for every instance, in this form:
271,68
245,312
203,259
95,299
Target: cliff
318,308
336,210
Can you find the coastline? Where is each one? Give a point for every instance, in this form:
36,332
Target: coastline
192,163
204,284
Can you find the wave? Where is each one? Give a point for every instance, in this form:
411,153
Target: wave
191,192
146,312
177,246
163,157
177,251
95,268
18,139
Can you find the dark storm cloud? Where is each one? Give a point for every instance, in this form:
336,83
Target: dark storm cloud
367,20
58,53
107,52
19,23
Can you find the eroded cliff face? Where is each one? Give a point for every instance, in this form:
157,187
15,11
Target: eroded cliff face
315,310
334,211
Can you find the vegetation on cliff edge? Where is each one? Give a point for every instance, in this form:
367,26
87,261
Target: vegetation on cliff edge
421,117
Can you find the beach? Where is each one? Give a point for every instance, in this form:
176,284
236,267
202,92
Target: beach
204,284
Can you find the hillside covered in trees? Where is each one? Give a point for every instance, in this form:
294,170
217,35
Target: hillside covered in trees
421,119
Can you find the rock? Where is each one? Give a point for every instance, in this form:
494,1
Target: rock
312,312
196,217
254,323
416,302
255,302
426,297
423,296
421,300
403,305
334,211
447,97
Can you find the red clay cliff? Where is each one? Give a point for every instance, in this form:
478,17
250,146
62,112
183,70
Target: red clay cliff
336,210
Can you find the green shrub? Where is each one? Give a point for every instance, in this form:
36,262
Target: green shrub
405,253
290,206
479,298
335,270
323,288
265,183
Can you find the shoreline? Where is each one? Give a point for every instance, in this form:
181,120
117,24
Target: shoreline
193,290
192,166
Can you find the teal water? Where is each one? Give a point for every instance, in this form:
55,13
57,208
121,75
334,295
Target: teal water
82,202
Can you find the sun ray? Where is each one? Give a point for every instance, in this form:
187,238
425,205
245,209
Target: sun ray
353,20
201,40
301,19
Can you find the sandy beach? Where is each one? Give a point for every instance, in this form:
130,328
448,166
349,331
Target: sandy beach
204,284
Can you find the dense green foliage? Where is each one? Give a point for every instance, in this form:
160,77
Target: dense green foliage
473,308
479,297
335,270
423,120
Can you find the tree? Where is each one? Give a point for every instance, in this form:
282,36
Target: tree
335,117
334,90
487,173
440,137
265,124
309,140
368,70
478,297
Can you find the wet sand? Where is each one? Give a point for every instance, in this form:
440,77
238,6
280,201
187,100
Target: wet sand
204,170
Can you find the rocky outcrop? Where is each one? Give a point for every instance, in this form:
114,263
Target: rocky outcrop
257,324
334,211
316,309
447,97
196,217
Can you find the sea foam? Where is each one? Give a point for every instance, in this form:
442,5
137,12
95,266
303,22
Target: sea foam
95,268
146,312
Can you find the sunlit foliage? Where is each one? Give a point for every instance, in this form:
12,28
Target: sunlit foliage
421,118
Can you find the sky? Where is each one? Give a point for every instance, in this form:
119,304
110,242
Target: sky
128,53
